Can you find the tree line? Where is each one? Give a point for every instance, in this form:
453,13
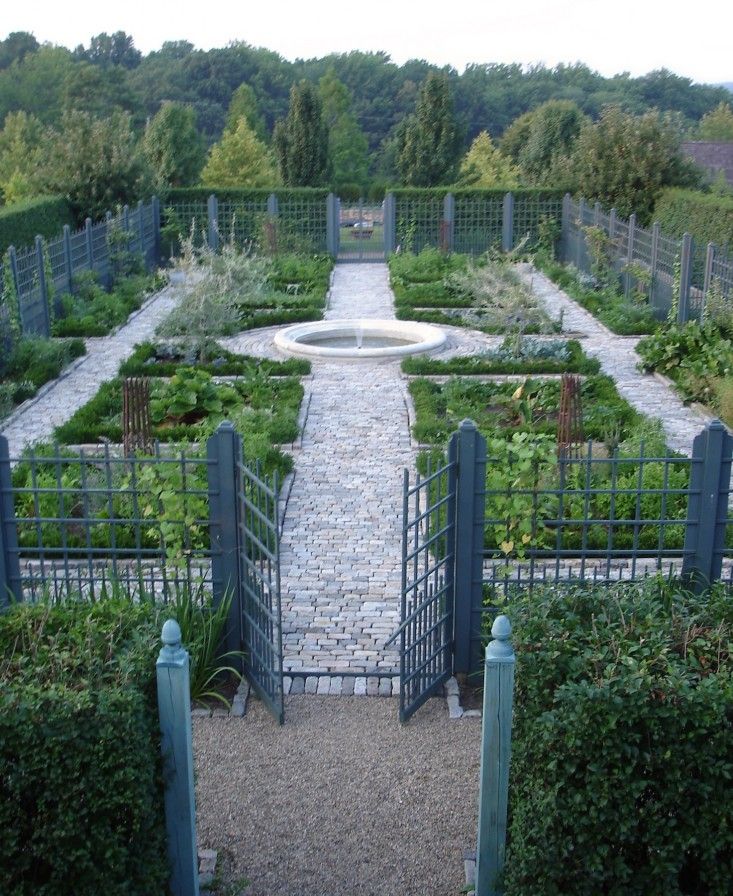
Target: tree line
102,123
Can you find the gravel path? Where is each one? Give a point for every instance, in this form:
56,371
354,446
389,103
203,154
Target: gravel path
340,800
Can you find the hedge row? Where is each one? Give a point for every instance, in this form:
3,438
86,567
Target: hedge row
708,218
622,752
21,222
243,194
81,806
542,193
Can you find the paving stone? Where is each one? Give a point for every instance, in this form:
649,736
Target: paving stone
454,706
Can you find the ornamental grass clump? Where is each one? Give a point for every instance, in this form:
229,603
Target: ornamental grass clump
500,302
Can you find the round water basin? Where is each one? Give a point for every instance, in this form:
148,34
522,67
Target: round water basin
359,339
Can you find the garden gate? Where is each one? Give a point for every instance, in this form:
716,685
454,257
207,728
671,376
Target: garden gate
248,563
595,520
361,233
426,605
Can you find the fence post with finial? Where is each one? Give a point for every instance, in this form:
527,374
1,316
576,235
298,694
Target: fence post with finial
496,738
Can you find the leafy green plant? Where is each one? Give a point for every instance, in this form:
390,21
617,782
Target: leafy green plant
202,631
693,355
190,395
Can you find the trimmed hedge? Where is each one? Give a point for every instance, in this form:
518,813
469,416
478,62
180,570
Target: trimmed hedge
575,362
21,222
440,192
243,194
622,752
151,360
708,218
81,801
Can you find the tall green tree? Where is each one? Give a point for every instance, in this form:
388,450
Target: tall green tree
347,143
624,161
486,167
429,141
22,151
301,140
239,159
96,163
173,146
553,129
243,104
111,49
717,125
15,46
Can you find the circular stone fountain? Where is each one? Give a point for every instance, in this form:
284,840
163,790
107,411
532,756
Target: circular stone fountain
367,338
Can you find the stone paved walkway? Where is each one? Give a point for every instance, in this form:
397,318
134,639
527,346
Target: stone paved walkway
341,543
647,393
36,419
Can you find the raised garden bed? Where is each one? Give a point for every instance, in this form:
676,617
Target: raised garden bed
455,290
93,311
163,358
514,356
188,408
605,302
501,409
32,363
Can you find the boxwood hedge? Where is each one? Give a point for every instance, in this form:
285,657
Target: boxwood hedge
622,754
81,805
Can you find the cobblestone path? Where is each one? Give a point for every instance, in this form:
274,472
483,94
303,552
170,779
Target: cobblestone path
341,543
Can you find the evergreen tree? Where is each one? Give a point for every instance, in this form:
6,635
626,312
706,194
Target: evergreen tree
301,140
239,160
485,167
429,141
173,146
348,146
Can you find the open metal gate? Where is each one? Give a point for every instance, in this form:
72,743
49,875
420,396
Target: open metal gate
426,622
258,540
361,233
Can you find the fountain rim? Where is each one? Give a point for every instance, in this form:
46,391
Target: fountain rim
424,337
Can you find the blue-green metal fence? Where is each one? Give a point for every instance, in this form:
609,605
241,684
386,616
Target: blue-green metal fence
41,273
88,524
677,276
590,519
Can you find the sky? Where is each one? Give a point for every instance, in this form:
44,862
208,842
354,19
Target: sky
610,36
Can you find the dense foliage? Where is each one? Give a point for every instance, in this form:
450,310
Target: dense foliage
81,797
110,75
698,358
709,218
30,364
21,222
622,747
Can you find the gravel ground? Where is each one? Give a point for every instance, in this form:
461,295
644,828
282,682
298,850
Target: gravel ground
340,800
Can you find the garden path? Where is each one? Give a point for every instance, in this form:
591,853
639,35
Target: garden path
35,420
647,393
